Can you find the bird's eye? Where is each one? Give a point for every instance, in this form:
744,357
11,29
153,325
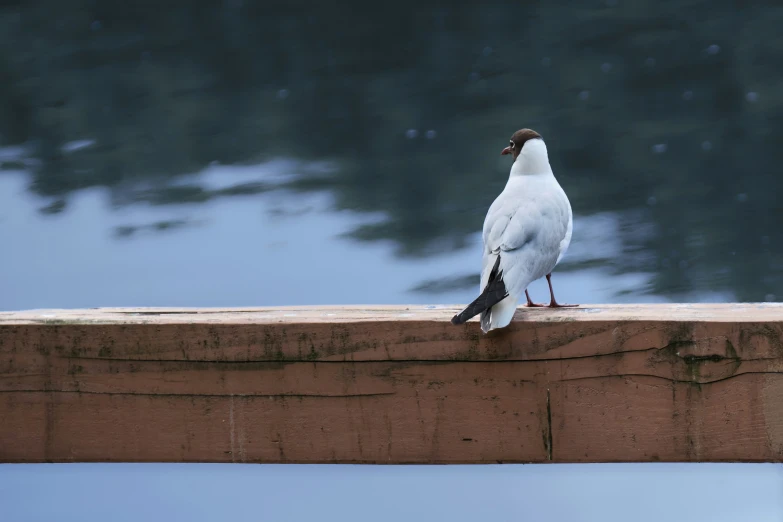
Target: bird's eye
511,144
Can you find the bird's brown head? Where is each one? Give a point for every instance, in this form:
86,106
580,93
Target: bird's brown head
518,140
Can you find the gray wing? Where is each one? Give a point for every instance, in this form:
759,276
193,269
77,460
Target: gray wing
527,235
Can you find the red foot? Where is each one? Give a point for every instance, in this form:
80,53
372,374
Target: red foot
531,304
552,302
558,305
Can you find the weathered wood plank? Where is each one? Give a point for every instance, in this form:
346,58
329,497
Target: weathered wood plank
392,385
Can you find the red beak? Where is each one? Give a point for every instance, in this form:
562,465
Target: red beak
507,150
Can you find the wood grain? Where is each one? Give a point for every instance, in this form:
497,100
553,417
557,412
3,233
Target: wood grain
392,385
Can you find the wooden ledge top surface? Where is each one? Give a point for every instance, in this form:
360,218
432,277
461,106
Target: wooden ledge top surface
720,313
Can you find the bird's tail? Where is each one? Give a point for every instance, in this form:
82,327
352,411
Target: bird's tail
493,293
499,315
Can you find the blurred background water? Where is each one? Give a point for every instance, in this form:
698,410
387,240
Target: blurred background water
238,153
242,153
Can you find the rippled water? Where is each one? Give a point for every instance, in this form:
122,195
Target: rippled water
205,155
281,247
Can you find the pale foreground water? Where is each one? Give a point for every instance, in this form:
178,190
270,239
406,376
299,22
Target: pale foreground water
246,492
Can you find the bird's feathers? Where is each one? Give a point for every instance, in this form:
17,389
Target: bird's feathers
499,315
528,226
493,293
526,232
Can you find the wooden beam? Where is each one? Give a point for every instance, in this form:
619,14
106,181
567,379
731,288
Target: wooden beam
392,385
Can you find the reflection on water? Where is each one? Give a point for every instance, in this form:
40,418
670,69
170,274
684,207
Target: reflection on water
276,247
142,145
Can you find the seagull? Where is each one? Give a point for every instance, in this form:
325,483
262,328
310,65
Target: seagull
526,233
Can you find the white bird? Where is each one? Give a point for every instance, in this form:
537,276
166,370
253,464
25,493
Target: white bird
526,233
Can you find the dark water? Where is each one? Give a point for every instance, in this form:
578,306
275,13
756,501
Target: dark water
240,153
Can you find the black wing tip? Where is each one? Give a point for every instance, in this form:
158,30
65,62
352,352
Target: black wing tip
494,292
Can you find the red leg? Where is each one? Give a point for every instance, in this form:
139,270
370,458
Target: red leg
531,303
553,302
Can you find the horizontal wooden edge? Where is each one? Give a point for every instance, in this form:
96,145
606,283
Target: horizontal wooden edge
379,462
703,312
393,384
